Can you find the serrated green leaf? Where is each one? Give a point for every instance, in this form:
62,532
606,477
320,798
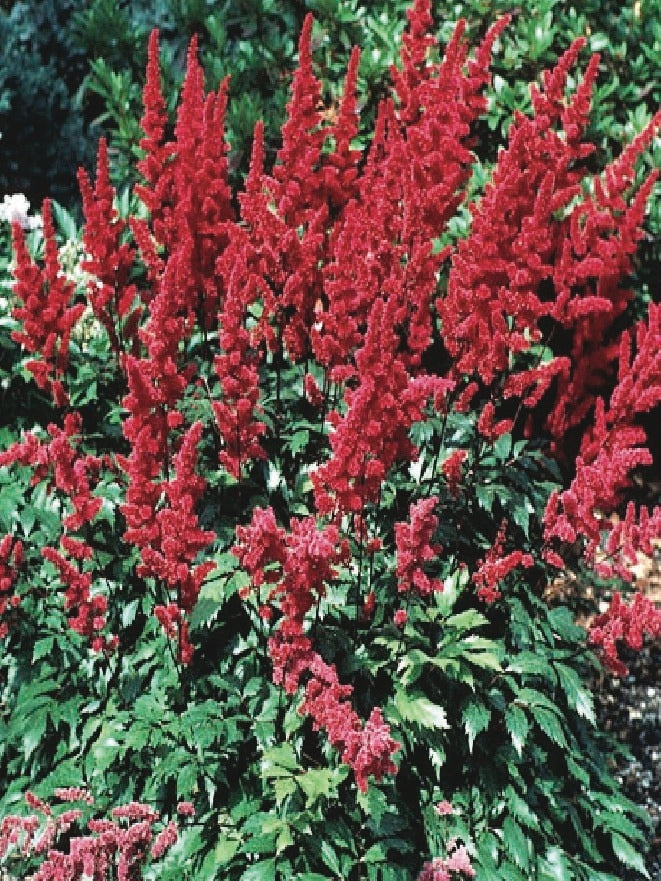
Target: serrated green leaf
577,772
470,619
554,866
532,664
282,787
330,858
533,698
520,809
377,853
420,710
578,697
517,726
486,496
42,648
508,872
284,840
484,660
516,843
35,727
627,854
476,717
299,441
563,624
550,725
521,516
503,447
316,783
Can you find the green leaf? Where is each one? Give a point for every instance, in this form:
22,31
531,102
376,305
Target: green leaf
42,648
577,772
627,854
554,866
262,871
517,725
282,787
503,447
476,718
520,809
508,872
318,782
521,516
377,853
470,619
35,727
279,761
374,803
221,854
485,660
330,858
486,496
532,664
563,624
420,710
578,697
516,843
550,725
299,441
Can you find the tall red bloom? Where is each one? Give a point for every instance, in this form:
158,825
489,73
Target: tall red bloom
612,447
415,548
299,564
111,259
11,560
48,313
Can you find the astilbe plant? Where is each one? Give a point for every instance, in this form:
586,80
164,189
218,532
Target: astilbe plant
305,375
117,848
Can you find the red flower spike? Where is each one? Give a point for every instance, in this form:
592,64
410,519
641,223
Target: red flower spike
413,541
497,271
73,475
110,849
11,560
340,167
452,470
110,292
47,314
611,448
496,566
297,192
154,118
626,624
299,564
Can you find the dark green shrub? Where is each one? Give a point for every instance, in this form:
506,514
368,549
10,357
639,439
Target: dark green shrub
44,134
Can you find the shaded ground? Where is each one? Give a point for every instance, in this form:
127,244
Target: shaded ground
631,708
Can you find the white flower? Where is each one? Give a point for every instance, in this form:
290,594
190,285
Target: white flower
16,208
